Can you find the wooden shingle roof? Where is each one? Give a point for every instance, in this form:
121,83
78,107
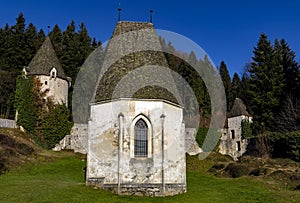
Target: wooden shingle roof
128,26
132,61
238,109
44,60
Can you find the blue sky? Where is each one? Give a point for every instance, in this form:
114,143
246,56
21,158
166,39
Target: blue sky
226,30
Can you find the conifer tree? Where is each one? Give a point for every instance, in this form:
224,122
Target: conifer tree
266,83
41,38
244,93
69,48
226,82
56,37
235,87
286,58
31,41
18,43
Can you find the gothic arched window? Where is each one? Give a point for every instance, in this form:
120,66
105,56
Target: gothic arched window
140,139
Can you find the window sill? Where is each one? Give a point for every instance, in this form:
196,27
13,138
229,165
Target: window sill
141,160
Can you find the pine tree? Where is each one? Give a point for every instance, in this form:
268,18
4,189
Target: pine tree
286,58
18,53
56,37
244,92
69,48
84,39
41,38
226,82
266,83
236,86
31,41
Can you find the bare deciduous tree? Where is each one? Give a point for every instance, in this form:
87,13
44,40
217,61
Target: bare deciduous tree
288,118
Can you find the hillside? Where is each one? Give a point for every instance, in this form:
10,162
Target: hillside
16,149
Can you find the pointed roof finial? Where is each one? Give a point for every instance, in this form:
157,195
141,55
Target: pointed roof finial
119,12
151,11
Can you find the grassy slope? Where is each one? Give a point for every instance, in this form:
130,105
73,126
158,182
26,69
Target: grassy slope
62,180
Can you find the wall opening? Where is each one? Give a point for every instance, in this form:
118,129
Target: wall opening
140,139
53,73
238,145
232,134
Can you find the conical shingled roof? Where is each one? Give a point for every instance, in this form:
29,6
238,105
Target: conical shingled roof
44,60
127,36
238,109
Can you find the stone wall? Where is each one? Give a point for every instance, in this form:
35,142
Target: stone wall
151,190
7,123
77,140
191,146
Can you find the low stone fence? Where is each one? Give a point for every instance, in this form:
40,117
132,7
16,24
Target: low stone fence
7,123
191,146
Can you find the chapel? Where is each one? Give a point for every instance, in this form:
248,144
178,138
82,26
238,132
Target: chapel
136,132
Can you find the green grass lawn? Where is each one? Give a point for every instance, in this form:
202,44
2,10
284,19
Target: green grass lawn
62,180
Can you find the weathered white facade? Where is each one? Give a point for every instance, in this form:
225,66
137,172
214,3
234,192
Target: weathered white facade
55,88
113,162
233,143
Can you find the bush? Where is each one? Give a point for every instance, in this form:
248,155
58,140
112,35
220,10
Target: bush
280,174
276,145
246,128
216,167
24,149
25,103
3,168
46,122
236,170
286,145
259,171
55,126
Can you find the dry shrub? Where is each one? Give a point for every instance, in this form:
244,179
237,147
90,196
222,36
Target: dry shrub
236,170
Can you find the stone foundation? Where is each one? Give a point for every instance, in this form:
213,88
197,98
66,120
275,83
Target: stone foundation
151,190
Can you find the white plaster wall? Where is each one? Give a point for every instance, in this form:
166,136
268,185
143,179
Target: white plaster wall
103,143
235,124
228,145
175,167
58,88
